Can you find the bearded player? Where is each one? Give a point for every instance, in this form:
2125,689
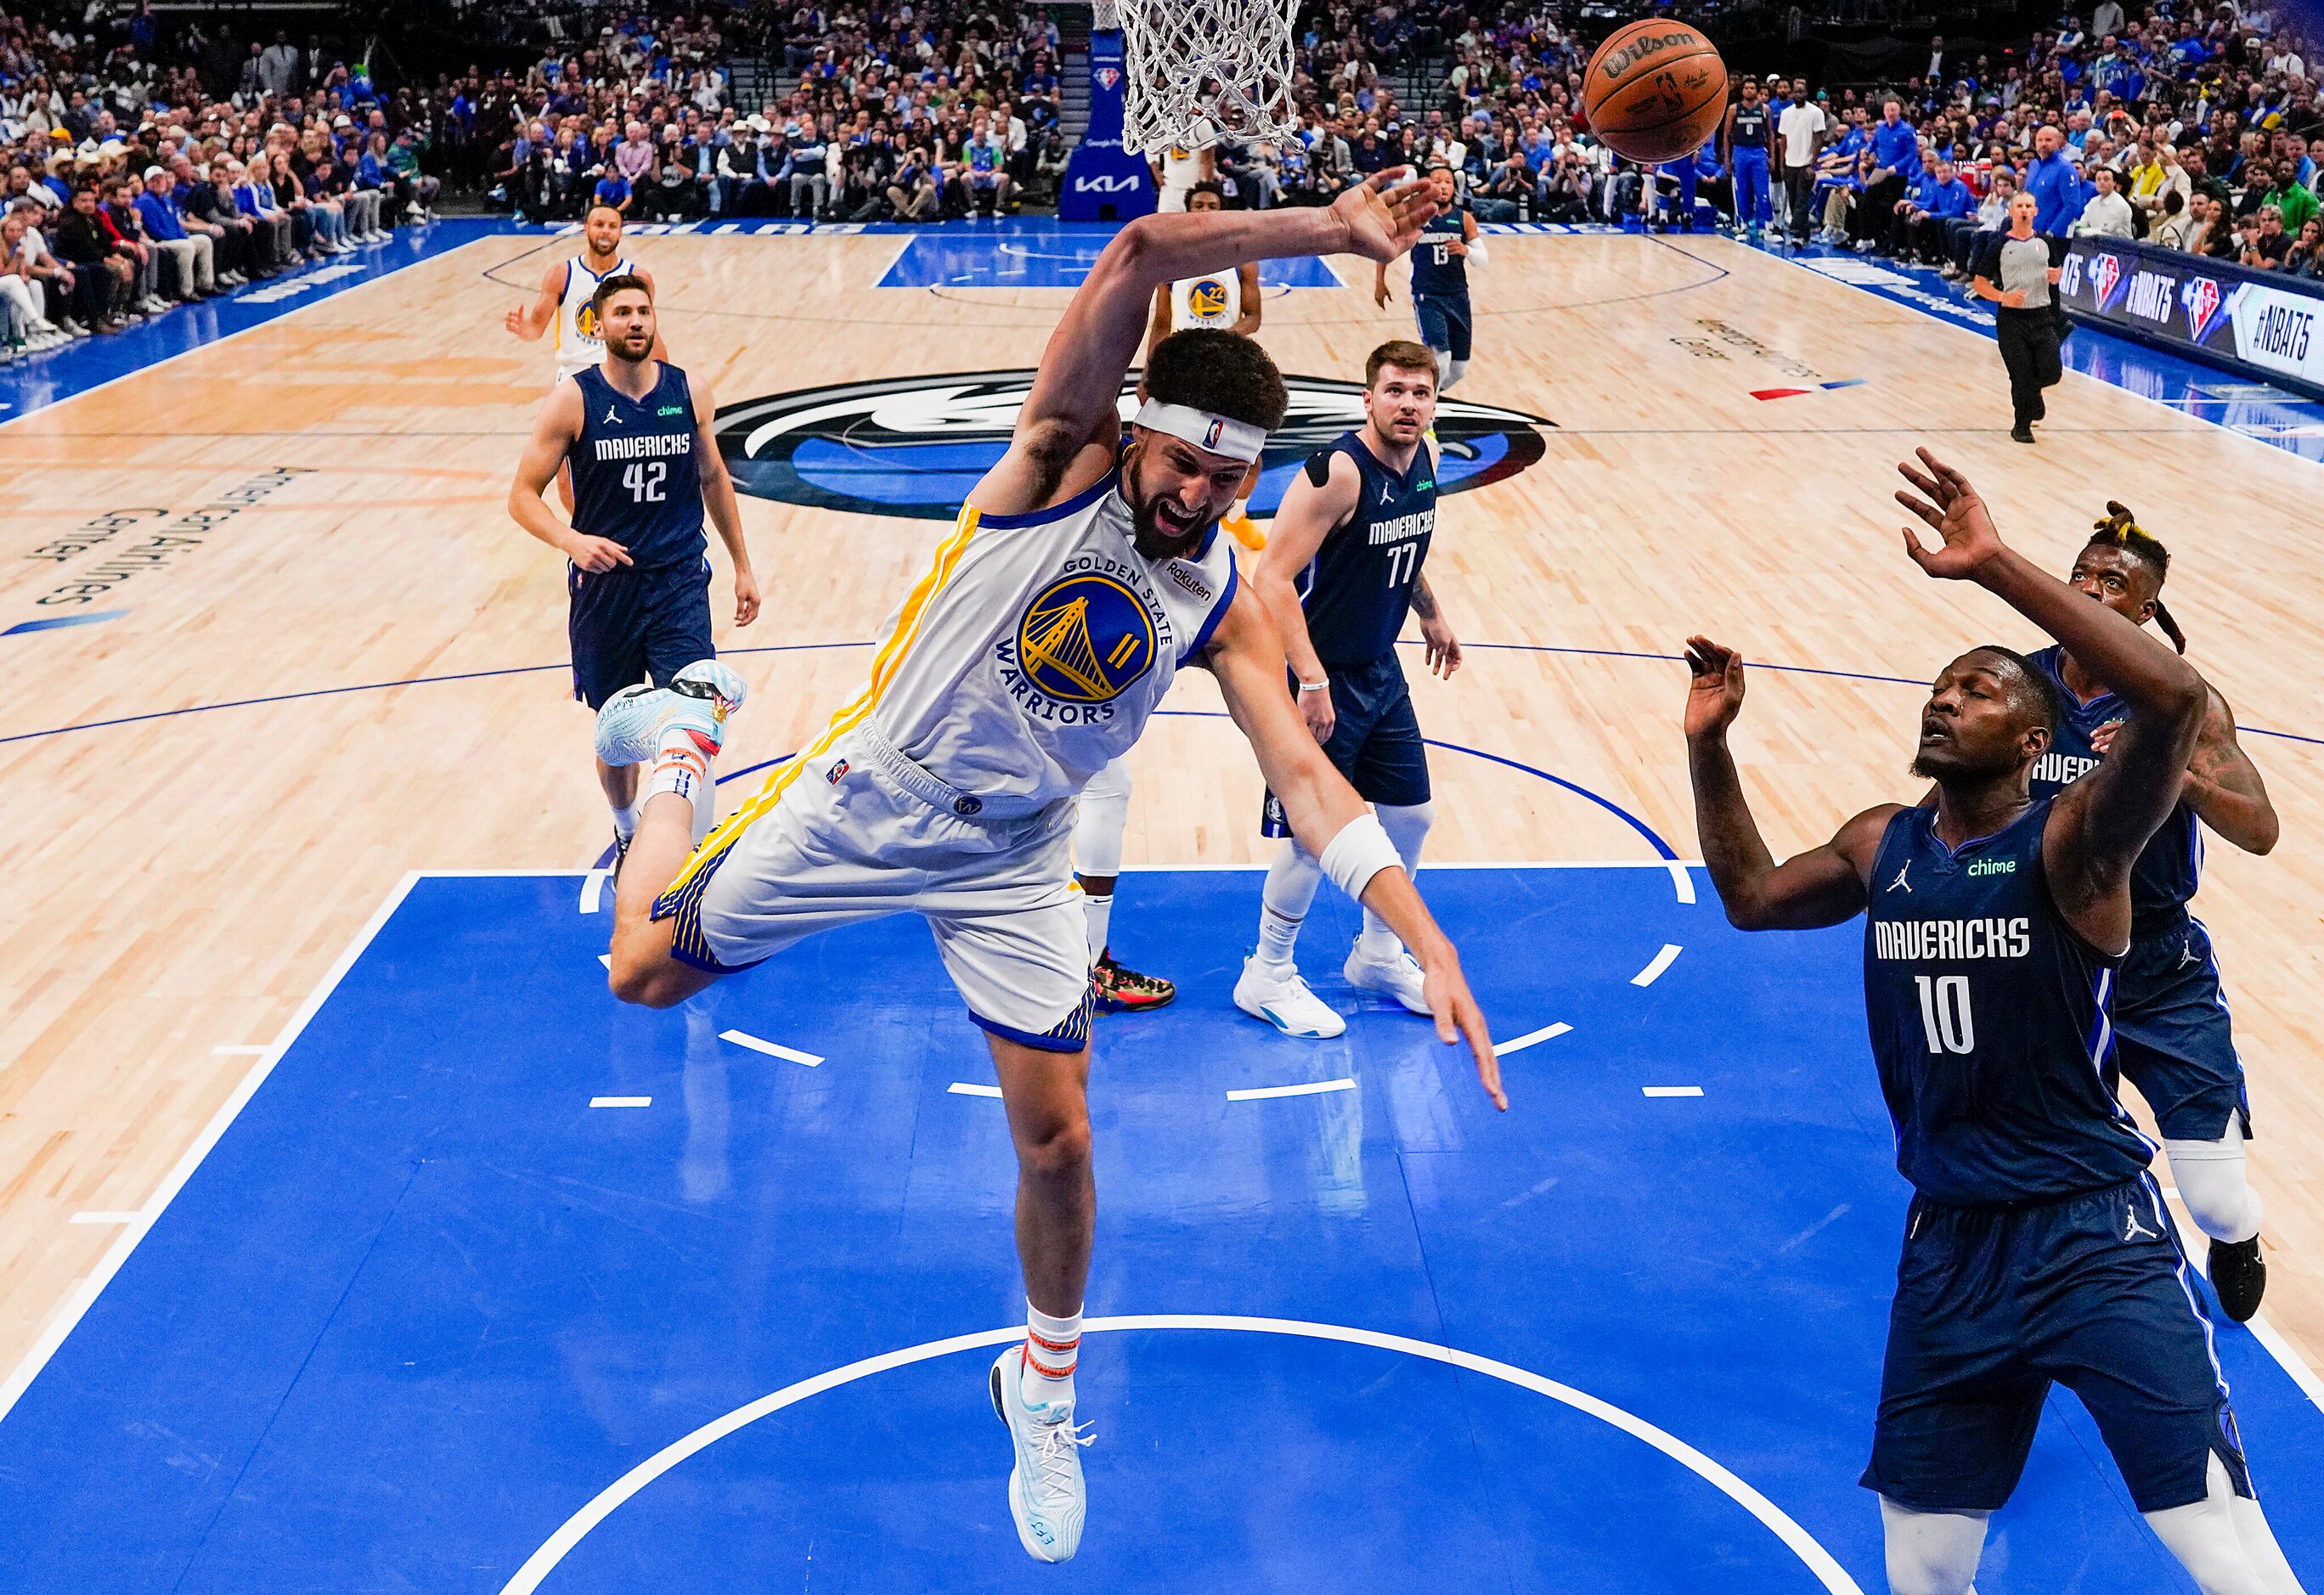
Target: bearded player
566,305
1084,571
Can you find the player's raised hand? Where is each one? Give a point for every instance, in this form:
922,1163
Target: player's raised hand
1714,688
1383,216
1951,506
1459,1018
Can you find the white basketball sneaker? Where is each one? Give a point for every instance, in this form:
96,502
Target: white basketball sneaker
1285,1002
1045,1494
701,698
1398,977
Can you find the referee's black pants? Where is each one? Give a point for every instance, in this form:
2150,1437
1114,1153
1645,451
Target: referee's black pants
2029,352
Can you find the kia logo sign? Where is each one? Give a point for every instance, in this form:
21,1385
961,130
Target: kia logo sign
1105,185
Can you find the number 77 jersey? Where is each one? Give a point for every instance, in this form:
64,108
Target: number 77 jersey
1989,1022
635,479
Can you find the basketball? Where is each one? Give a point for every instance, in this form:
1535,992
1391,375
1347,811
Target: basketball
1655,91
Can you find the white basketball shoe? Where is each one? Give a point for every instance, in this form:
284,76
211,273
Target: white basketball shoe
1283,1000
1398,977
701,698
1046,1494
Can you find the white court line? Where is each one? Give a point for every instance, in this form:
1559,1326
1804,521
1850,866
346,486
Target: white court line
593,889
1671,1091
104,1218
1502,1049
1663,960
79,1301
774,1049
1802,1544
620,1102
1312,1089
237,1052
962,1088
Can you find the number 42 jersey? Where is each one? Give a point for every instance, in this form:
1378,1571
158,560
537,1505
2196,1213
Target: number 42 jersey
1989,1022
635,479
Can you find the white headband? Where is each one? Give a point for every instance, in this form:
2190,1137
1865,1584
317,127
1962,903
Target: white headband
1237,440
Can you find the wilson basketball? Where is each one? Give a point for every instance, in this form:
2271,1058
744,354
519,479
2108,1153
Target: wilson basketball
1655,90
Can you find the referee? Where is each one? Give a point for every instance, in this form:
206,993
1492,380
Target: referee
2012,269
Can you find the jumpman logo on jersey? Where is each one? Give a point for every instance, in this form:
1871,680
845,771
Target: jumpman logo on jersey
2187,953
2134,1231
612,418
1900,880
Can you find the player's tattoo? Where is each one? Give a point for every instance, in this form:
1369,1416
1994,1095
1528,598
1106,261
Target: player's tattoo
1424,602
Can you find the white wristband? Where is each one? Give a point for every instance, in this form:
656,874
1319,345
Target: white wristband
1361,851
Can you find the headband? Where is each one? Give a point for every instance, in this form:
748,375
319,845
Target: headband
1217,434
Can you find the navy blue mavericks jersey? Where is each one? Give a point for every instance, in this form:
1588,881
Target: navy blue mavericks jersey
1989,1022
1751,126
634,476
1357,591
2163,880
1436,269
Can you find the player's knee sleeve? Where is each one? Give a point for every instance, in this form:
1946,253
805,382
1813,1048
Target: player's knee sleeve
2204,1537
1291,882
1455,370
1407,824
1931,1553
2211,1181
1101,819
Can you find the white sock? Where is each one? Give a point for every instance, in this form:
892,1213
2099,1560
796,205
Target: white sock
1284,902
2209,1175
625,821
680,765
1099,909
1407,826
1052,1347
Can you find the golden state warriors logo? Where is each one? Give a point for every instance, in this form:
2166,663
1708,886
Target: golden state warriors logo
584,321
1084,640
1207,300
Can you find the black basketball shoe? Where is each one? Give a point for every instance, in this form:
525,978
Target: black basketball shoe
2238,1276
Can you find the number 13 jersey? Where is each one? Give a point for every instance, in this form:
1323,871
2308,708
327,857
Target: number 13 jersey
1989,1022
635,479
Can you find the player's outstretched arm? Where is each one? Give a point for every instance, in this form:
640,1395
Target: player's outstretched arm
1066,434
529,321
2102,821
718,501
1823,886
2224,786
1246,654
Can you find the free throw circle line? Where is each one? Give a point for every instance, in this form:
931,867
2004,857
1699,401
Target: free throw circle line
575,1529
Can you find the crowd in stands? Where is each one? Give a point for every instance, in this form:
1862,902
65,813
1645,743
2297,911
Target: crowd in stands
901,113
133,185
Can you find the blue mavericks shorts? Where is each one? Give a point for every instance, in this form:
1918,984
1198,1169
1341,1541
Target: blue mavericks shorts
1994,1305
1375,739
1443,320
2174,1038
629,623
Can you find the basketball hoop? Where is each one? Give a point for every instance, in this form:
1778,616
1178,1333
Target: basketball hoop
1201,69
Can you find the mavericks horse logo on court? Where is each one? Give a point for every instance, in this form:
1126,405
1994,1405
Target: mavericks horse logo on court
913,445
1082,641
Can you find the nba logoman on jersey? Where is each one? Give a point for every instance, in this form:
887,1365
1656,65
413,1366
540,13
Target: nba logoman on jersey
578,343
2171,866
635,477
1358,590
1989,1022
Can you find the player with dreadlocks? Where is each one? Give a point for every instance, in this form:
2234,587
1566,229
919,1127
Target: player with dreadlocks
2171,1033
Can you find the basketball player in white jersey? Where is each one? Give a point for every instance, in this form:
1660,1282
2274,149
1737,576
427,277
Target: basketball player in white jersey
1083,572
1218,301
564,306
1180,169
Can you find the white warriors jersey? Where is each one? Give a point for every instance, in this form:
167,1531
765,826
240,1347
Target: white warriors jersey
1032,652
1213,302
578,346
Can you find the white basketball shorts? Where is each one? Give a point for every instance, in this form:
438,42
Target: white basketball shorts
865,832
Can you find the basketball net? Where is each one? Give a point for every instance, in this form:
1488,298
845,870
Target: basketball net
1201,69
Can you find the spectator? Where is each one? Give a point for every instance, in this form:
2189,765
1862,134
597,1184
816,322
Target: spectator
1938,198
2176,227
192,255
2055,184
912,196
2265,244
99,275
2107,214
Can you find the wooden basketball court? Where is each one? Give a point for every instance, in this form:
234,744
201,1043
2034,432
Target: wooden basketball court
353,669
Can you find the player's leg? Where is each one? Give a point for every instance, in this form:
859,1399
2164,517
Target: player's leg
606,628
2125,1333
1391,772
1457,328
675,635
1931,1553
1429,313
1099,822
2175,1041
